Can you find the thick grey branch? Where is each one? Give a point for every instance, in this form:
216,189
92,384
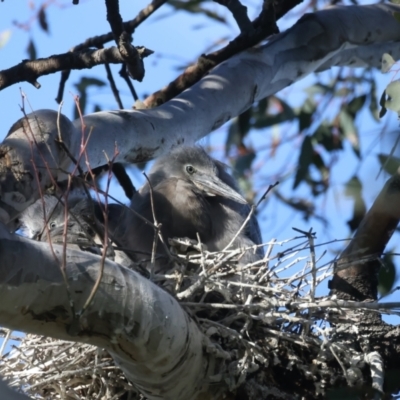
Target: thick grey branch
157,345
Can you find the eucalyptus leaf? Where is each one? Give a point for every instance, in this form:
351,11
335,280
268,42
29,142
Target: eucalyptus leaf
305,159
387,63
387,275
389,164
349,130
392,101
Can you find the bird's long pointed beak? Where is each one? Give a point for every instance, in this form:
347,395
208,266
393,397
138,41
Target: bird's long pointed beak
213,186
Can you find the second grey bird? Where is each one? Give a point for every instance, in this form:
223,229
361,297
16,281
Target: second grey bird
192,193
83,225
47,216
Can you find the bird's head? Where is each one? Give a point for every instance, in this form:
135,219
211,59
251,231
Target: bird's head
50,211
193,164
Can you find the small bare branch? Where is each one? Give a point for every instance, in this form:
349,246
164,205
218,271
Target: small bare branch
239,12
29,71
123,39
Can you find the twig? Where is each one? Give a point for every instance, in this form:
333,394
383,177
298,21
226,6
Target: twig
252,209
104,238
113,86
157,233
124,75
123,40
239,12
99,41
263,26
5,341
311,235
29,71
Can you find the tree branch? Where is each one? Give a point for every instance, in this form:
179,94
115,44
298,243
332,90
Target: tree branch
29,71
265,26
50,65
261,28
239,13
99,41
123,40
159,348
358,279
129,26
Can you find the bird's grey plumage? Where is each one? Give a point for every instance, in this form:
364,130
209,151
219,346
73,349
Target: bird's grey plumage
85,225
192,194
50,211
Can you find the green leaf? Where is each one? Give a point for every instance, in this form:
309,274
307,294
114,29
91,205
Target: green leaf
305,116
4,37
382,101
82,87
318,186
373,104
344,92
243,163
287,110
262,118
268,120
396,14
31,50
319,163
353,188
305,158
240,165
393,97
238,129
387,63
359,211
389,164
43,19
85,82
356,105
246,188
233,138
318,88
261,107
349,130
387,275
324,136
305,120
244,122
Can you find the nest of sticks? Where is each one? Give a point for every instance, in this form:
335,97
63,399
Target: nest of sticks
259,315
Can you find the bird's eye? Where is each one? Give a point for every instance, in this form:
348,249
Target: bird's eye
52,225
190,169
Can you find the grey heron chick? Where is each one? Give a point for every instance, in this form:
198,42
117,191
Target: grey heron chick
192,195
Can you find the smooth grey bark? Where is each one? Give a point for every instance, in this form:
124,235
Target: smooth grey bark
157,345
